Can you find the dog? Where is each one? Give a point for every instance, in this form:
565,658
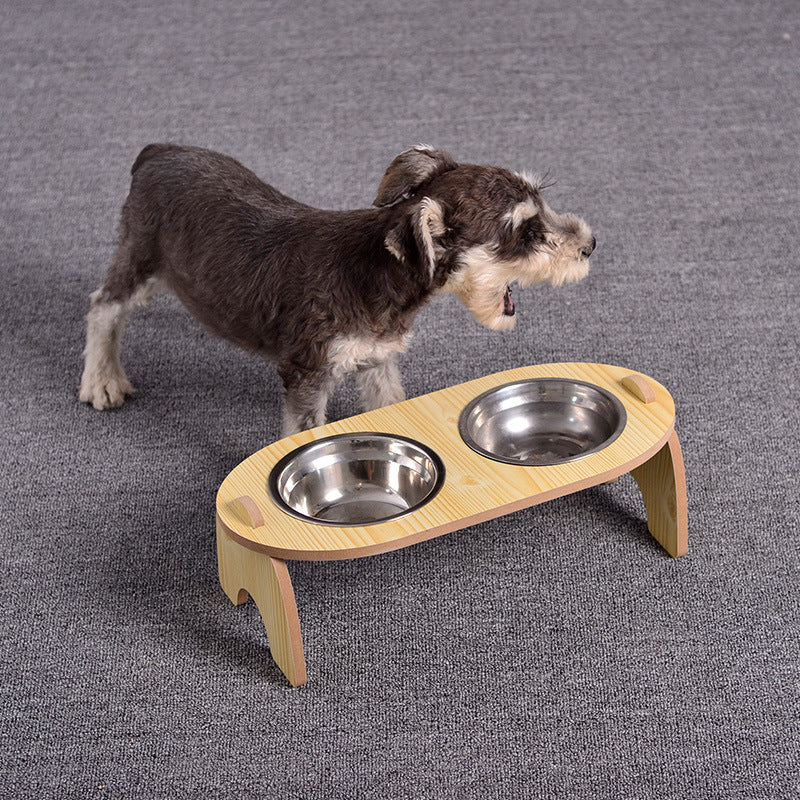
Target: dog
325,294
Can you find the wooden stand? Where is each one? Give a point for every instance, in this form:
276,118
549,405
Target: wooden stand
267,580
255,538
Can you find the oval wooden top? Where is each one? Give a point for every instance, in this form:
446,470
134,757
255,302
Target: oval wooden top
476,489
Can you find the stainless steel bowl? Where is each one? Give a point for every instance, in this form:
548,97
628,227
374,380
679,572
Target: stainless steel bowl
542,421
356,479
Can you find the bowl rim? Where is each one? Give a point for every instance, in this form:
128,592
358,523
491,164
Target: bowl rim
607,394
284,461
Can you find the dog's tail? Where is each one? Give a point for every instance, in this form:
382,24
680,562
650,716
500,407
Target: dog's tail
148,153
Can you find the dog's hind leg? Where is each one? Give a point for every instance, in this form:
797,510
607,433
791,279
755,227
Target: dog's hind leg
129,284
380,385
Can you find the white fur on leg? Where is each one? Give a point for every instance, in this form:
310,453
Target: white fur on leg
380,385
305,401
104,383
290,424
301,416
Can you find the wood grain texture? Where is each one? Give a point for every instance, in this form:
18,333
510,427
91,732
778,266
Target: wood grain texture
662,481
476,489
266,579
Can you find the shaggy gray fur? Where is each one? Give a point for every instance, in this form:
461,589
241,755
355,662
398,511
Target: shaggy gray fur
325,294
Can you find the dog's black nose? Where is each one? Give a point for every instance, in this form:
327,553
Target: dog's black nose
589,249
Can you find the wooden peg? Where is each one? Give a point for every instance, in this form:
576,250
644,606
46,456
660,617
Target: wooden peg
248,512
640,388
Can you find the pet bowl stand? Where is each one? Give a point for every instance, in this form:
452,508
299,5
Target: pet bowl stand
255,538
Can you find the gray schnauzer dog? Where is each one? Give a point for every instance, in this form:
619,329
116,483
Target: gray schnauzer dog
323,293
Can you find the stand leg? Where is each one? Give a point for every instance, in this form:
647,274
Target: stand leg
662,481
266,579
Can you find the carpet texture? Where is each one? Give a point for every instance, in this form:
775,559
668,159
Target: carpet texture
554,653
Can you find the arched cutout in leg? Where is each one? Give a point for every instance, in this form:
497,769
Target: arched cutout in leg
266,579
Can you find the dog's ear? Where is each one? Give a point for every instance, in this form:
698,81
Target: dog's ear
410,170
415,240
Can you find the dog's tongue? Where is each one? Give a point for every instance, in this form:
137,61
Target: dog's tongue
508,303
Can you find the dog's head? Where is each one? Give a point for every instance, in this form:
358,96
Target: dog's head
478,230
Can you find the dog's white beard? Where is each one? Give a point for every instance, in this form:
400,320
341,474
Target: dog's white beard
482,281
481,286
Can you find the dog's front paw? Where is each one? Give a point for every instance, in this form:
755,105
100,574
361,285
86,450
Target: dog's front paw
105,391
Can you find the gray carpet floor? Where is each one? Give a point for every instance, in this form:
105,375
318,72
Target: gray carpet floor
554,653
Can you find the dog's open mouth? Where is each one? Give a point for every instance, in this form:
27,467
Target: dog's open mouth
508,303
